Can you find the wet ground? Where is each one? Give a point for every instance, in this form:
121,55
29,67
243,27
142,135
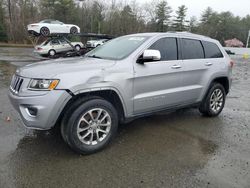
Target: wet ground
180,149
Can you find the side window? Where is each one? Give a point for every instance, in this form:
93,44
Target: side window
212,50
192,49
63,41
167,47
54,42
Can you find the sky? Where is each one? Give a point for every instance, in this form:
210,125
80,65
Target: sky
196,7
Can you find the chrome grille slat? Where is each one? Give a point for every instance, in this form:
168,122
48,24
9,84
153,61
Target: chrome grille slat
16,84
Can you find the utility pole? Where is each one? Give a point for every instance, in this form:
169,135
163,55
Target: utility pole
248,37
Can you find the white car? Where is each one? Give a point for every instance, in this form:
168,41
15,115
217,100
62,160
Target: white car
52,47
48,27
95,43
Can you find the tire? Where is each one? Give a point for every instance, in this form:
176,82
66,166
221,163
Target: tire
52,53
44,31
73,30
78,47
83,133
214,101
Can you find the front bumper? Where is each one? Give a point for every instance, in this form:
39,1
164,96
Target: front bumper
40,112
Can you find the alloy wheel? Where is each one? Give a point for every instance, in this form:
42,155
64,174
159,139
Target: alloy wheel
216,100
94,126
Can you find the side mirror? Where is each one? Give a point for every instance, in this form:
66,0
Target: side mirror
149,55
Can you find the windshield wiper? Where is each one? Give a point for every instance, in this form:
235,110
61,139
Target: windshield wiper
94,56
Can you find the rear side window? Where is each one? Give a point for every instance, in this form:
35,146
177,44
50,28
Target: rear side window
54,42
192,49
167,47
212,50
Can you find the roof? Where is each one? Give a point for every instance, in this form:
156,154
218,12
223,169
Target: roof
173,33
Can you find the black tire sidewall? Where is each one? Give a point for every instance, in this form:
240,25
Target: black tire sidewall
42,33
51,51
71,129
78,46
208,109
73,29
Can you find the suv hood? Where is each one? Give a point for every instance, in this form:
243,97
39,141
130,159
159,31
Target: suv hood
49,69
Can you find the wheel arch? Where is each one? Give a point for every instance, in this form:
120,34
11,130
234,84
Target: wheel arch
223,80
110,95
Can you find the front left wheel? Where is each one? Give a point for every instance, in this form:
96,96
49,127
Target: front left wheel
89,126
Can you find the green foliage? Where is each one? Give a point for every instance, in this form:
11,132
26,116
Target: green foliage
163,12
193,25
63,10
118,18
180,22
3,35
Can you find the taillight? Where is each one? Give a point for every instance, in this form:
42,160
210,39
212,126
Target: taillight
33,25
39,48
231,64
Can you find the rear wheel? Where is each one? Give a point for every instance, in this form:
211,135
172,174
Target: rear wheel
52,53
90,126
78,48
73,30
214,102
45,31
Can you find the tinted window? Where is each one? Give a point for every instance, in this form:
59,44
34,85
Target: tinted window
54,42
192,49
63,41
211,50
167,47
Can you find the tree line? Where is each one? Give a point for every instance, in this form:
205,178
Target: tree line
116,17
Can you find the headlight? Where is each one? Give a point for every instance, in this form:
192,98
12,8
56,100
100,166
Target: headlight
43,84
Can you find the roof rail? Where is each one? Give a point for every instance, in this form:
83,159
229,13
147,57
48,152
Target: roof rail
191,34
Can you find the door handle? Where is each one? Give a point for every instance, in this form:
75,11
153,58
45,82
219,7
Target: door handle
208,64
176,67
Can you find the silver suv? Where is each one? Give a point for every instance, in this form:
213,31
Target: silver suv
127,77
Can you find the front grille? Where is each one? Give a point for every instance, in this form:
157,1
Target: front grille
16,84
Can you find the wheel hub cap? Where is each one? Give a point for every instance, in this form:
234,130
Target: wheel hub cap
216,100
94,126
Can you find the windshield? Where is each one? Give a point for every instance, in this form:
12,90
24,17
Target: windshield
118,48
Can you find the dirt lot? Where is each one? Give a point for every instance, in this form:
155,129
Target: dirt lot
181,149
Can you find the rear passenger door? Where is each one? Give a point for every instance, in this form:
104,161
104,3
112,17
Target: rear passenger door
157,84
55,44
197,69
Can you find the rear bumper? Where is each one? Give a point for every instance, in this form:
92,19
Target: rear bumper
41,52
40,112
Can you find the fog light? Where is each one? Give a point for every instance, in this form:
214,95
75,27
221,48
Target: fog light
31,111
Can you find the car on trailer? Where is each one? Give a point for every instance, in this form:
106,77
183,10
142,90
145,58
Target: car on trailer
95,43
54,46
49,27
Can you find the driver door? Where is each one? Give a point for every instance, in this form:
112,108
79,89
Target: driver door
157,84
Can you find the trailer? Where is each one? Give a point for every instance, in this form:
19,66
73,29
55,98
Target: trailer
65,37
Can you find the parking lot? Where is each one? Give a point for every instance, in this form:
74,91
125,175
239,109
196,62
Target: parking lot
179,149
